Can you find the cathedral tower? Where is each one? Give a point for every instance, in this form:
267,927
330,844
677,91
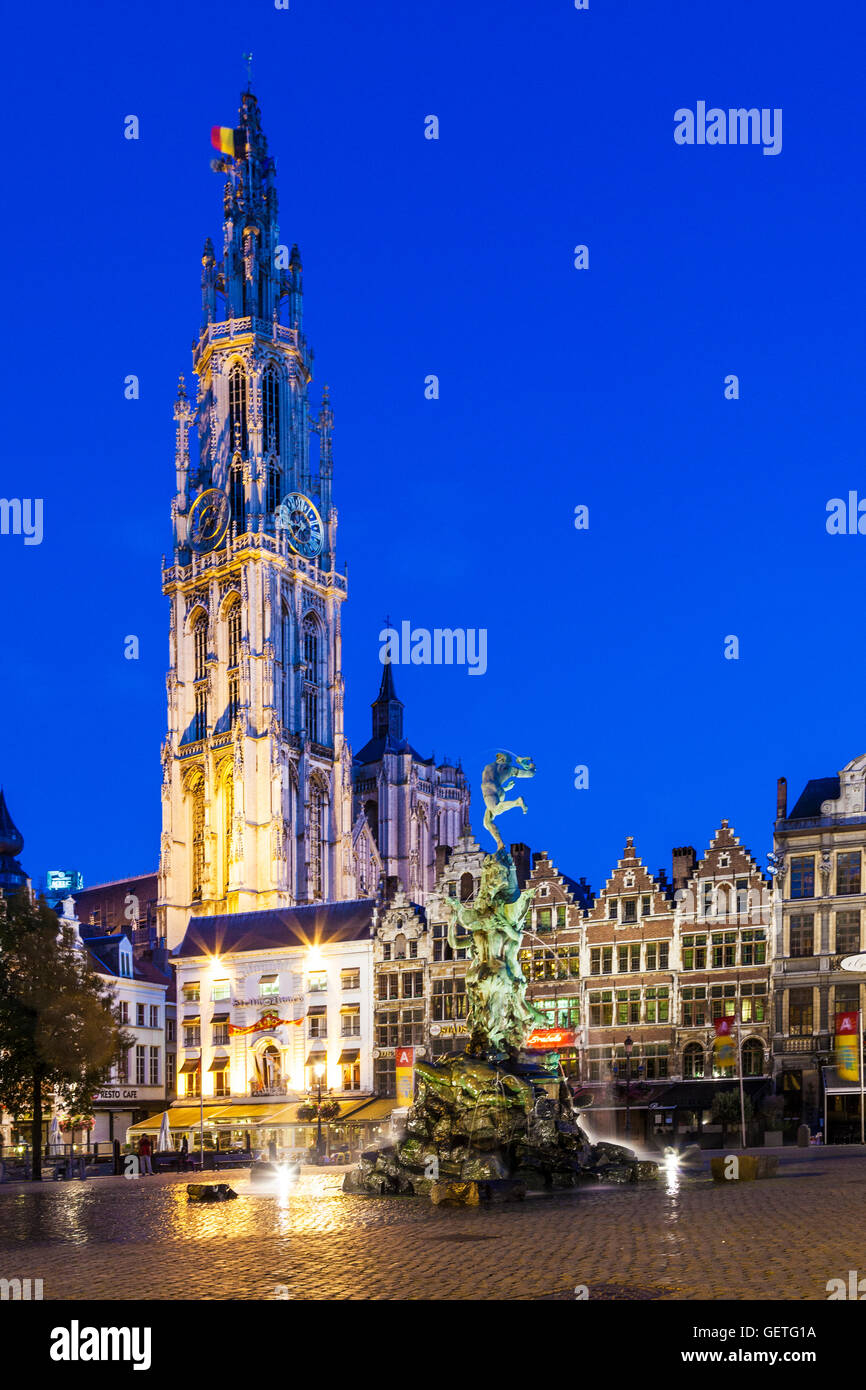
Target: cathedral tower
256,789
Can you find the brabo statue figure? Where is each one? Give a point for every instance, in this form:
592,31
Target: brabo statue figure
499,1016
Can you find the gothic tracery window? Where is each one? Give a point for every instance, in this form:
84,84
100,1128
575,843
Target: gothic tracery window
317,813
312,707
286,652
271,411
228,816
237,501
238,408
197,796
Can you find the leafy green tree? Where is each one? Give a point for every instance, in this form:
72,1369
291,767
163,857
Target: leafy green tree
726,1111
59,1033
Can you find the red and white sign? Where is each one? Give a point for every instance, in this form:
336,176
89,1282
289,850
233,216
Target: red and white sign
546,1039
846,1023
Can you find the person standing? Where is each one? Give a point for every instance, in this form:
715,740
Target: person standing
144,1152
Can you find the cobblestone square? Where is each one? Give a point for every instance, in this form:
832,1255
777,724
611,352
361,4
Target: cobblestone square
113,1238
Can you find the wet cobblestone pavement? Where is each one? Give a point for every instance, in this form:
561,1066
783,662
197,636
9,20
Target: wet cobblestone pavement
114,1238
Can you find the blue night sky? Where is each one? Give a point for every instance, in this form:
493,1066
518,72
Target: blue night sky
558,387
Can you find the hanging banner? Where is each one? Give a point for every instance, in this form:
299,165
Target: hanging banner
847,1047
269,1021
404,1060
724,1049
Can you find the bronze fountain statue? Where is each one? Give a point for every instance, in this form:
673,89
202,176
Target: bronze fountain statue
495,1122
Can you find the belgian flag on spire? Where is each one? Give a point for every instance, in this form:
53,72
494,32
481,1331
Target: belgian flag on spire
228,141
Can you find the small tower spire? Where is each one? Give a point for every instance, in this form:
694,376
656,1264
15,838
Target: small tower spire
387,709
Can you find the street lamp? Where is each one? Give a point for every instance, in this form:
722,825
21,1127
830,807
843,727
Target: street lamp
319,1071
628,1045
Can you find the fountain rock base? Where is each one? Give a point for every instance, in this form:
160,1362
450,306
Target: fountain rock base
491,1130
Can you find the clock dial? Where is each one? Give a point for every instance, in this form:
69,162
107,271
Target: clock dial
208,519
302,524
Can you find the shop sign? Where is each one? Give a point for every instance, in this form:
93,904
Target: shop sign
448,1030
117,1093
265,999
405,1069
544,1038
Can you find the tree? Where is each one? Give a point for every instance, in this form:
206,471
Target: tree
726,1110
58,1030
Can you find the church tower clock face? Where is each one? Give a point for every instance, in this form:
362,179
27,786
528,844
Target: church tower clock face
302,524
208,519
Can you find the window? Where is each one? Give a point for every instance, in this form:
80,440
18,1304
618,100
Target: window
559,1013
197,840
233,623
723,1001
192,992
441,949
657,1004
646,906
612,909
413,949
199,642
238,407
753,1003
800,1013
848,872
220,990
543,919
351,1076
237,502
389,986
601,1008
656,1061
311,677
139,1015
170,1072
753,1058
753,950
317,874
560,915
154,1066
154,1015
384,1075
724,949
694,999
802,934
846,999
221,1081
803,876
693,1061
271,419
449,999
847,933
742,895
233,710
124,1011
140,1053
386,950
413,984
629,910
193,1082
350,1021
694,952
411,1027
628,1006
708,899
269,986
317,979
169,1030
318,1021
350,979
387,1028
192,1034
220,1033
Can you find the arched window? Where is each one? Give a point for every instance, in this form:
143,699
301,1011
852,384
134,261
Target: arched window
317,867
286,656
199,637
197,795
311,679
693,1060
271,412
371,811
753,1058
467,887
233,620
228,817
238,409
237,501
272,500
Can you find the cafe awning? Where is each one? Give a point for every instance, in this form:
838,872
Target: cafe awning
189,1067
372,1111
220,1018
185,1117
314,1058
351,1054
219,1063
